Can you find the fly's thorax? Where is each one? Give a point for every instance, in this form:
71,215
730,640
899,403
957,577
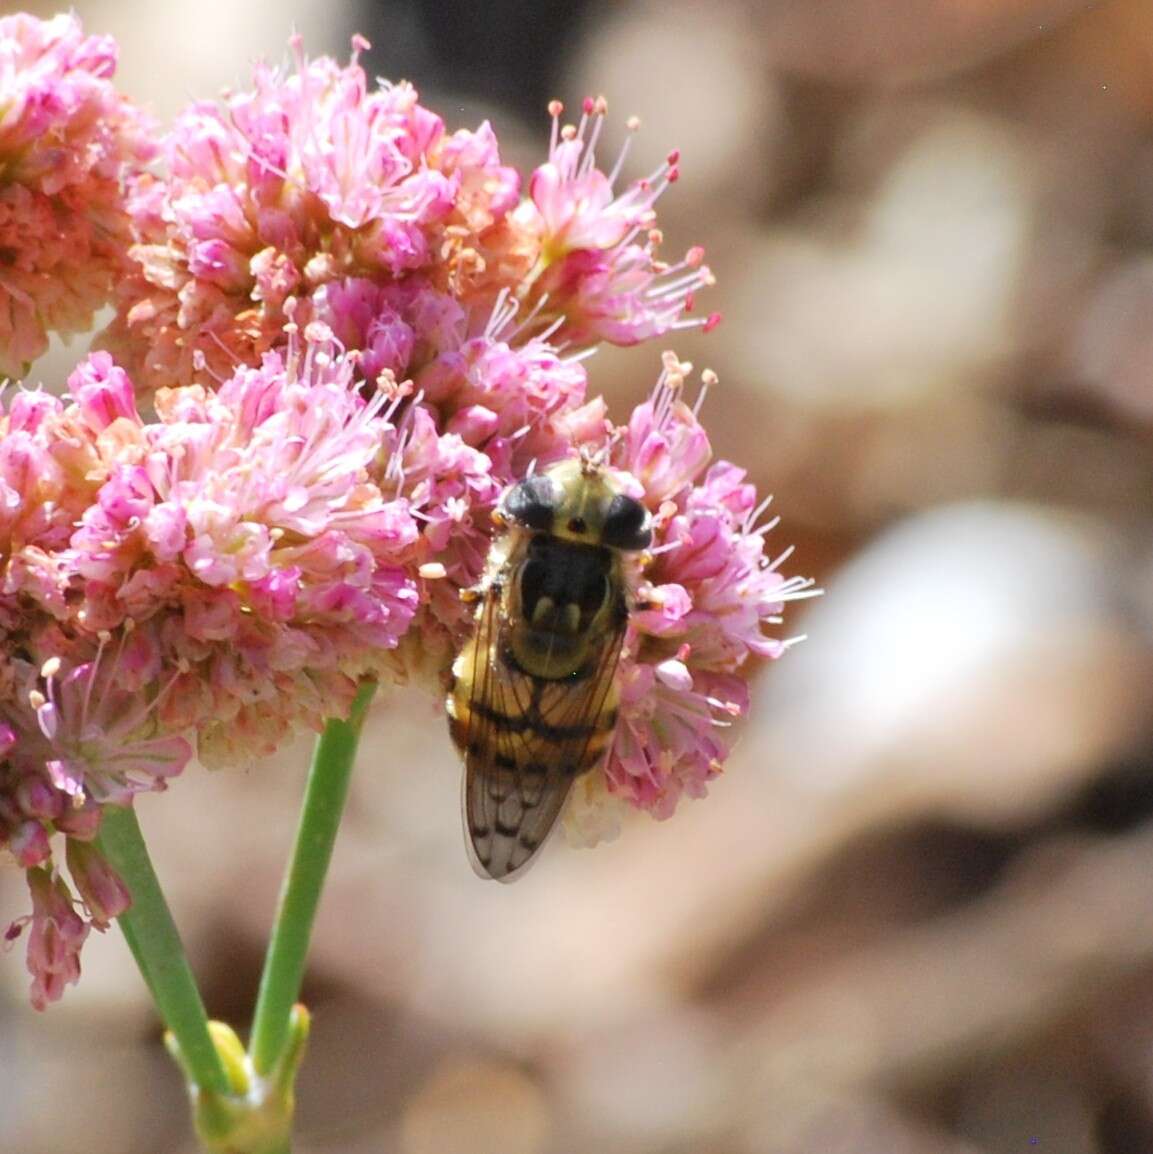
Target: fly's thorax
561,598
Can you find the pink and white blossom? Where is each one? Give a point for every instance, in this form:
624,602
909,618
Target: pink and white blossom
245,532
598,277
710,604
311,178
67,143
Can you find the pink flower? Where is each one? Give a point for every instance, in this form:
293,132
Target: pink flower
55,939
623,296
67,141
51,465
504,399
226,572
98,736
598,277
71,742
367,317
356,203
664,446
104,894
576,205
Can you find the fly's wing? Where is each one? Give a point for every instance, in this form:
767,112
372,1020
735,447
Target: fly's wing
525,741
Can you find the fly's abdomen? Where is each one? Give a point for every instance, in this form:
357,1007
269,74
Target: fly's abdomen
519,723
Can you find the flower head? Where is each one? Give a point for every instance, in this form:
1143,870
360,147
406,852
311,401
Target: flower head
246,539
308,180
357,204
709,600
67,141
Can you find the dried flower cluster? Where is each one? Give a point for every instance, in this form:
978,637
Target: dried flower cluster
342,333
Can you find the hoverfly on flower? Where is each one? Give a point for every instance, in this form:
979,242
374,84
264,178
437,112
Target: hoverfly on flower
534,695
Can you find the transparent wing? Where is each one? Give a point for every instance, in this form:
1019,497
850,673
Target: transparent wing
525,741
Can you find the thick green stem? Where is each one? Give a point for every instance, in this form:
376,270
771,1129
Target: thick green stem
155,943
320,815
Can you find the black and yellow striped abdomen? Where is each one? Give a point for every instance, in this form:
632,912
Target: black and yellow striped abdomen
531,726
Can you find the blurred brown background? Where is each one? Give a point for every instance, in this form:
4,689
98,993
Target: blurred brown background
916,915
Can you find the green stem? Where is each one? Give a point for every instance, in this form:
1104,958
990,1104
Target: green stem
155,943
320,815
139,953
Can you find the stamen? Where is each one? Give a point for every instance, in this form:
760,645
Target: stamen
783,557
588,157
503,311
556,111
215,338
667,547
535,312
764,529
756,514
708,379
632,124
798,589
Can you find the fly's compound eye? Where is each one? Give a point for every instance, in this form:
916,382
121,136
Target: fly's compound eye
627,525
532,503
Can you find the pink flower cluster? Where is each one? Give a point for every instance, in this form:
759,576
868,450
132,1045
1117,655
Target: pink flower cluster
344,332
67,141
225,573
708,596
357,203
